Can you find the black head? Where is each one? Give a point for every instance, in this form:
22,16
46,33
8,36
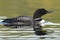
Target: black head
40,12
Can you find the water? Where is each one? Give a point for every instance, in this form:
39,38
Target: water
33,37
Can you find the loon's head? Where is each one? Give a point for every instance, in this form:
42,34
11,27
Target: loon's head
40,12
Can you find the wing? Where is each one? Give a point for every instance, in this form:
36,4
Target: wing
43,23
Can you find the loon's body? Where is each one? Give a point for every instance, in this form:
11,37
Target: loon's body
28,21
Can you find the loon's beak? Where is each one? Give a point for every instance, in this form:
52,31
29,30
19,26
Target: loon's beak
50,11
